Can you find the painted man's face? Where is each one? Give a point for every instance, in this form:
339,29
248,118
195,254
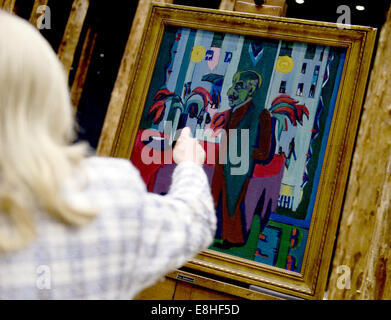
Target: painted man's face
244,84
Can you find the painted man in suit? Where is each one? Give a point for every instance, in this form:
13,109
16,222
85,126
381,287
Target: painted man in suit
238,197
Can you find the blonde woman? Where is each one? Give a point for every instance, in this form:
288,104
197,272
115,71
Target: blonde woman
74,226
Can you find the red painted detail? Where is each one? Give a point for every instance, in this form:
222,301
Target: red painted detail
271,169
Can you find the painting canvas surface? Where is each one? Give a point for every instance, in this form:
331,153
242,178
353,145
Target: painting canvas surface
263,110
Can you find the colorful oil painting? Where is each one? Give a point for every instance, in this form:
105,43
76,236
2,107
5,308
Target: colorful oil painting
262,109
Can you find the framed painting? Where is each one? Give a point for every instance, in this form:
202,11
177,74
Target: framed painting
276,104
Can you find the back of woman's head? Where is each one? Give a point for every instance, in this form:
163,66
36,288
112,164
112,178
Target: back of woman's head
33,87
36,128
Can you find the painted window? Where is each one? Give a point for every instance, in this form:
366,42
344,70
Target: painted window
300,88
304,68
282,87
286,48
310,52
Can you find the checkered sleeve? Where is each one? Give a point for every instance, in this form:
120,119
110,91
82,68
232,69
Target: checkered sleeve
175,227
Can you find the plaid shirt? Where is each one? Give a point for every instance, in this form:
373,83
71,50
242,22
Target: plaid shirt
136,238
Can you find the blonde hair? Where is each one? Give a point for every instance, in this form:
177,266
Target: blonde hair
36,130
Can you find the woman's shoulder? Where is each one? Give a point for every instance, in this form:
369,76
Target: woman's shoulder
108,168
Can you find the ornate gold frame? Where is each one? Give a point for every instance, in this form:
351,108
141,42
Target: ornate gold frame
359,43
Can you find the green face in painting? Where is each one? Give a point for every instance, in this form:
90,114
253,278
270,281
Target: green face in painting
244,84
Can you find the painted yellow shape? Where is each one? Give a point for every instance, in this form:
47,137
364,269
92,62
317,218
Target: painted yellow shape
198,54
284,64
286,190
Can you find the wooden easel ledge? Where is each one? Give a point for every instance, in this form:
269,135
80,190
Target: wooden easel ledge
269,7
